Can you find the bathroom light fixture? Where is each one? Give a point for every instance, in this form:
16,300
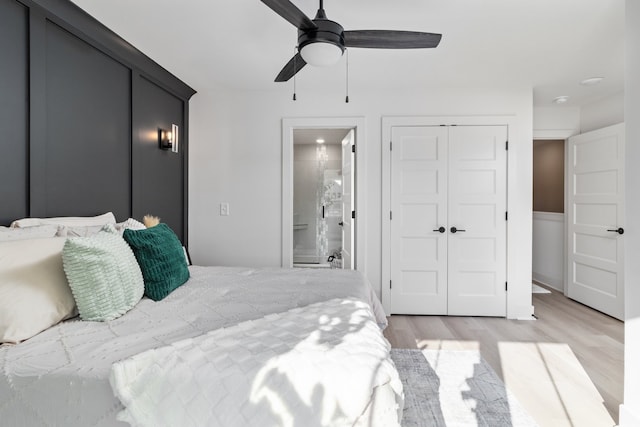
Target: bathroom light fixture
560,99
591,81
320,141
168,140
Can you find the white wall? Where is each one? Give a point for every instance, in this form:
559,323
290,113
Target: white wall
602,113
235,143
630,410
548,249
555,122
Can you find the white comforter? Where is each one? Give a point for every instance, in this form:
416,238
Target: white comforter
60,377
313,366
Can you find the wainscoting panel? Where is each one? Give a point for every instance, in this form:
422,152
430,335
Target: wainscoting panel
548,249
88,115
79,120
157,185
14,110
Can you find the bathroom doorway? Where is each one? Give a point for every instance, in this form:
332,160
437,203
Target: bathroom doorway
354,201
322,197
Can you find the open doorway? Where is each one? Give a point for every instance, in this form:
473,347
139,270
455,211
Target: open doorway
321,196
548,255
354,219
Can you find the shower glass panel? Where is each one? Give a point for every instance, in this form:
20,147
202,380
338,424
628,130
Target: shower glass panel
317,203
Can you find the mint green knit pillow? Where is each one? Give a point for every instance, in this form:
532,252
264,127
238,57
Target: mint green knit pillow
161,259
103,275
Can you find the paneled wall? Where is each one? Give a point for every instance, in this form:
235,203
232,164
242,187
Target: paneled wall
79,120
14,110
157,185
548,244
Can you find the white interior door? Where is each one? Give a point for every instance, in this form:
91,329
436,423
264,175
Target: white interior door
477,243
596,220
347,202
418,253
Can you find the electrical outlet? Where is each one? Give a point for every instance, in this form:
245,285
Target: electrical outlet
224,209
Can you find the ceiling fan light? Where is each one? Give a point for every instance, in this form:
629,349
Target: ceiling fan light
321,54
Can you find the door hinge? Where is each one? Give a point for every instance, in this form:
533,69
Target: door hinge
506,216
506,145
390,215
353,148
506,286
390,145
353,214
390,284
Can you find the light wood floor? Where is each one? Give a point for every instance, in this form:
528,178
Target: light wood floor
565,368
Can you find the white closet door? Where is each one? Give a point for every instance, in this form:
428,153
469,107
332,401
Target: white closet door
595,217
419,206
477,207
347,202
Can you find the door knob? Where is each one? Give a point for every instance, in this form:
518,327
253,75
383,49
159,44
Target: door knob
441,229
341,223
455,230
619,230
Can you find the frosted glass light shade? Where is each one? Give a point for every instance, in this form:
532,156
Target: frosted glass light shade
321,54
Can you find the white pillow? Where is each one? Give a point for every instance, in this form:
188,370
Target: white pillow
69,221
84,231
37,232
34,292
92,230
130,224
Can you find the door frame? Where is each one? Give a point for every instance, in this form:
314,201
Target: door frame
358,126
563,134
517,287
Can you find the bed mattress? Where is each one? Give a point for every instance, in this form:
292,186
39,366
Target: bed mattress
61,376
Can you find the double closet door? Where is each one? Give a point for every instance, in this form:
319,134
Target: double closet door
448,220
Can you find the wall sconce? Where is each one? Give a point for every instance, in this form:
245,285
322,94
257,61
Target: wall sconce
168,140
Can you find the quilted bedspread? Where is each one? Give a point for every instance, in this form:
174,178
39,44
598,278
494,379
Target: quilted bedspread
312,366
60,377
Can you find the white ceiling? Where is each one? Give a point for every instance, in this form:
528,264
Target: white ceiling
549,45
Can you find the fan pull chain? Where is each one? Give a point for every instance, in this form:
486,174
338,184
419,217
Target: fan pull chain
295,69
346,100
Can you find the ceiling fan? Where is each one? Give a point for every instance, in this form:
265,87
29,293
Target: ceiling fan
322,42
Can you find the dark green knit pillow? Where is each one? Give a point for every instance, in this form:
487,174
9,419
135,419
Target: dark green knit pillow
161,258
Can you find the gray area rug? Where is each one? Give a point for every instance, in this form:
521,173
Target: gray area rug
445,388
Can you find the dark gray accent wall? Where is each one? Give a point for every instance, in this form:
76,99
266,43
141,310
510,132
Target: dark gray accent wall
155,189
79,118
14,108
88,113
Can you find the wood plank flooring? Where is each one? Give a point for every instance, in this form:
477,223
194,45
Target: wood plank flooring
565,368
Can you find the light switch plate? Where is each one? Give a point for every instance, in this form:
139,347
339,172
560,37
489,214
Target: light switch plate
224,209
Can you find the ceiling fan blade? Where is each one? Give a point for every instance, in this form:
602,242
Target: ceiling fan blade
291,13
294,65
389,39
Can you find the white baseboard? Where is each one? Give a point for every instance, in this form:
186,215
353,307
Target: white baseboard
548,281
628,418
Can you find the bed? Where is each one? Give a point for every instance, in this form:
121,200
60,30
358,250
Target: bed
230,347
